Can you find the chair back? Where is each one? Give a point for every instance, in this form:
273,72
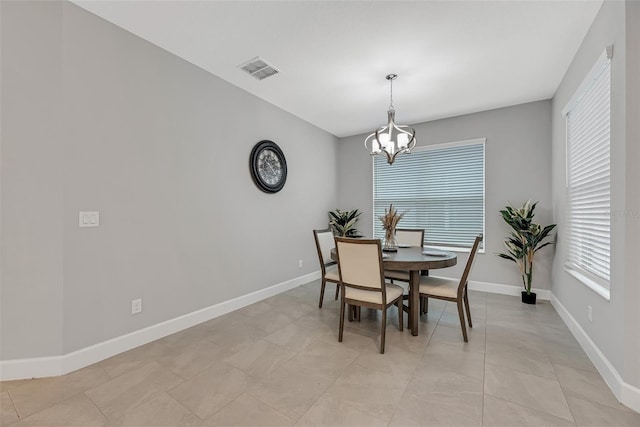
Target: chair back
324,244
360,263
410,236
464,280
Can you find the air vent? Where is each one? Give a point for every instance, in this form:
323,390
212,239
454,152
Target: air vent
258,68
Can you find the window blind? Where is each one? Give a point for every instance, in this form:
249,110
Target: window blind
588,118
441,188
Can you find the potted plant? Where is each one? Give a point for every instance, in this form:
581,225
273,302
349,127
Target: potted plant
390,221
343,222
525,240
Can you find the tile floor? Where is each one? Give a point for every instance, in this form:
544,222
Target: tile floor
279,363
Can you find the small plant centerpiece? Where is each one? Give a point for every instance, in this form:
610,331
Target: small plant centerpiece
525,240
390,221
343,223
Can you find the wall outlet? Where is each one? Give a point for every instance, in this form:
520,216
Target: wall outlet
299,263
136,306
590,313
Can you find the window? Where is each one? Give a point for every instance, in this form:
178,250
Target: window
442,189
588,117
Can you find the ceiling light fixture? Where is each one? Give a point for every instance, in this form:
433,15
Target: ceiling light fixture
391,139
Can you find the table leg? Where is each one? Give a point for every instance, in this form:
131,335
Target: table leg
414,301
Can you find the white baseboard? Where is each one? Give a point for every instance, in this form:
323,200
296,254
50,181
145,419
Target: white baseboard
59,365
497,288
36,367
626,394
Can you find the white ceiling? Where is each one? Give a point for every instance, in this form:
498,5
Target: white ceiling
452,57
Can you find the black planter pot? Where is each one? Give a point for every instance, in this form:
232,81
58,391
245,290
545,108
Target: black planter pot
528,298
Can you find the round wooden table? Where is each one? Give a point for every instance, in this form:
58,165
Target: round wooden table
414,261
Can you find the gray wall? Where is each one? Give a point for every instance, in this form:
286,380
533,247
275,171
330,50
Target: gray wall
518,167
31,287
615,323
94,118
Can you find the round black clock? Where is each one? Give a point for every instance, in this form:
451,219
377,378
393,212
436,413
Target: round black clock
268,166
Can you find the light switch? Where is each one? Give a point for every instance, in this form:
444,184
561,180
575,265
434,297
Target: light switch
89,219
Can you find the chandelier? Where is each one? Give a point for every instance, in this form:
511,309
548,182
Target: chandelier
391,139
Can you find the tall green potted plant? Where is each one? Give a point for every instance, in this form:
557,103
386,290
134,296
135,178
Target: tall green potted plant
525,240
343,223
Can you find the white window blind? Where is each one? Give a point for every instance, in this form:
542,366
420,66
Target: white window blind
588,118
441,188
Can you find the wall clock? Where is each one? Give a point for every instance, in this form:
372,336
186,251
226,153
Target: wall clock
268,166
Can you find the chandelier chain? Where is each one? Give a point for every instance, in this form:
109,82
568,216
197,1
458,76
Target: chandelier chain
391,78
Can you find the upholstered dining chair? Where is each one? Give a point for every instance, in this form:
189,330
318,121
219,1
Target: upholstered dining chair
362,281
452,290
410,236
405,237
324,244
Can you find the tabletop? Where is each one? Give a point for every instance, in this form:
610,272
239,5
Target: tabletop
414,258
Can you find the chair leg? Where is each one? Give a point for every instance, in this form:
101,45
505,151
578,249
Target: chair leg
400,313
424,305
324,282
462,322
383,330
466,305
354,313
341,321
337,290
424,301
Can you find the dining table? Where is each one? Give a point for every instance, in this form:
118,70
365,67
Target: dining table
414,260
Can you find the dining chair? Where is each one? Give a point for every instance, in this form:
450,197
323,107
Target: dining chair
324,245
362,281
408,237
452,290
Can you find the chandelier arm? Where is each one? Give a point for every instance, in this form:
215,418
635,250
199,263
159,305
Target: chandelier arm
393,158
412,144
390,158
407,129
367,140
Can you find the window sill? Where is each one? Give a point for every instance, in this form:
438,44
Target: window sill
590,283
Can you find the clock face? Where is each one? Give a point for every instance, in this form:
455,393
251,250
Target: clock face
268,166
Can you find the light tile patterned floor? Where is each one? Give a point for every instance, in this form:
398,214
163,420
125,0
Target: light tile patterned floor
279,363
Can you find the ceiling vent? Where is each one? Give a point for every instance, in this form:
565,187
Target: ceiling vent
258,68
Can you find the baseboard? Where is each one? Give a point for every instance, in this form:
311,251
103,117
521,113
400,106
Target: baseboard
36,367
497,288
626,394
59,365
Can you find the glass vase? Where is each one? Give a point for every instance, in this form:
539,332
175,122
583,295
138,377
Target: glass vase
390,242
